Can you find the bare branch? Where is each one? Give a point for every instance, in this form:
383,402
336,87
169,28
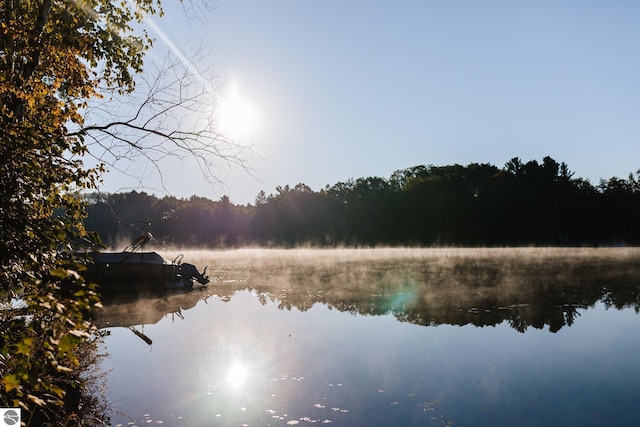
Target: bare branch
171,114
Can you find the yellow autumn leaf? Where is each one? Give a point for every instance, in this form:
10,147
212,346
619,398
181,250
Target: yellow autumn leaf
11,382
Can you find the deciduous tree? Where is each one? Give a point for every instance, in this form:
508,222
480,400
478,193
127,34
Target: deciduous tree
56,56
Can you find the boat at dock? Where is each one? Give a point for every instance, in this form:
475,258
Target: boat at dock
138,268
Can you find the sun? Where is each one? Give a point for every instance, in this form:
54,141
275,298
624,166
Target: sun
237,116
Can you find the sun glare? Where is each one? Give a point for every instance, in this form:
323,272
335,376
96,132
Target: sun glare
237,116
237,374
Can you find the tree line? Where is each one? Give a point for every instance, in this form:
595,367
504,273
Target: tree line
532,203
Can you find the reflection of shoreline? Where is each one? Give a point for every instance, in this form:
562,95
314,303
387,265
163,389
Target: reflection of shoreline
533,287
527,288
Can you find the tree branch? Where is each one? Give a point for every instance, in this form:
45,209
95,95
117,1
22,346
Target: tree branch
170,115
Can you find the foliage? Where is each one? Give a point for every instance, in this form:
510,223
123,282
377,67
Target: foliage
528,203
55,56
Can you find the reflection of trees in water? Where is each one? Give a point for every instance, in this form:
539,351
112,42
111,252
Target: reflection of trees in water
544,290
532,288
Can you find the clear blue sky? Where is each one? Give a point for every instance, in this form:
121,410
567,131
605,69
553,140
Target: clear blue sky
349,89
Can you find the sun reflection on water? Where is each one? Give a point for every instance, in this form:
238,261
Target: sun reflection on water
237,374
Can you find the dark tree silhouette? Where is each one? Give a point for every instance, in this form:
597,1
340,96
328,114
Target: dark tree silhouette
532,203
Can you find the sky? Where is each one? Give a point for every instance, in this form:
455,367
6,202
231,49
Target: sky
332,90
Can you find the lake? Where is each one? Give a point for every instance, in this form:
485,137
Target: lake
383,337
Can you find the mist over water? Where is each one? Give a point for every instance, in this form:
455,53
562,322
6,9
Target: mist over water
532,284
431,336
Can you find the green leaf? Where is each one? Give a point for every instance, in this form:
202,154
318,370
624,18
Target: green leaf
67,343
25,346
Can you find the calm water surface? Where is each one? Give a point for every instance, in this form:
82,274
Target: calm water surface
383,337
